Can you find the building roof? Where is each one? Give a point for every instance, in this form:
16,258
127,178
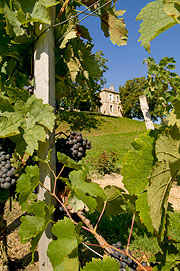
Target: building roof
111,89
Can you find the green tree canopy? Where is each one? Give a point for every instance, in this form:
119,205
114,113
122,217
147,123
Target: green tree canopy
129,95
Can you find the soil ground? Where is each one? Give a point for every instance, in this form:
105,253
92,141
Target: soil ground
20,255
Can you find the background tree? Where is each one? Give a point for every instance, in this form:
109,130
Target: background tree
85,96
163,85
129,96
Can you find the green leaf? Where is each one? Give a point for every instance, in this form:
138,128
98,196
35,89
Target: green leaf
169,259
10,123
173,226
75,204
144,211
115,202
67,161
63,252
104,265
138,163
155,21
29,120
162,176
174,117
87,192
27,182
33,226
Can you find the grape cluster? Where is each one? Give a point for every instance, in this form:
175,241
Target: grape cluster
7,178
124,260
73,146
30,89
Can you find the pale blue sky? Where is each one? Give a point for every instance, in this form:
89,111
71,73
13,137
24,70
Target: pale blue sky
126,62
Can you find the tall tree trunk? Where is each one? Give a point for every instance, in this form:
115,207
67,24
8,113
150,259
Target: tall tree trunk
3,248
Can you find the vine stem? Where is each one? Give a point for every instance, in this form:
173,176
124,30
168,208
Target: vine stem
129,239
108,248
56,178
62,9
104,207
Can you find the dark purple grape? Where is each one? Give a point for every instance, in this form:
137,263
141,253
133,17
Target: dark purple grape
6,185
80,149
1,180
13,181
8,156
7,166
74,141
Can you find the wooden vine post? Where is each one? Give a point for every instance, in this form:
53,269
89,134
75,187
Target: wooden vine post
146,113
44,74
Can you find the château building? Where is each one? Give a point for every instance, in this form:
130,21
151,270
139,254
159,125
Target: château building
111,104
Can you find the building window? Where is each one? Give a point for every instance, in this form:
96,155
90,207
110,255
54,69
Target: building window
111,108
110,97
117,98
118,109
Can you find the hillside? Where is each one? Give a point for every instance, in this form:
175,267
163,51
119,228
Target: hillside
97,125
105,133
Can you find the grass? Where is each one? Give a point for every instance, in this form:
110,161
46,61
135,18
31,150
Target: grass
96,125
118,143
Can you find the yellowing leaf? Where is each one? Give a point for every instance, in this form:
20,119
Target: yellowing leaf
114,27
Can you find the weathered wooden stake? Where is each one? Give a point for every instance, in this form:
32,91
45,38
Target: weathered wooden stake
44,74
146,114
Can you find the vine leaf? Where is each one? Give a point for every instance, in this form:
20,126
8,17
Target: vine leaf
27,182
32,226
67,161
115,202
104,265
28,122
138,163
144,211
155,21
170,258
113,26
173,226
87,192
22,14
174,117
172,8
63,252
162,176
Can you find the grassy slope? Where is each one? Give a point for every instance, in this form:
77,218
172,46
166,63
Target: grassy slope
109,133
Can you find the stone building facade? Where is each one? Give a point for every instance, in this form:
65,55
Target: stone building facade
111,104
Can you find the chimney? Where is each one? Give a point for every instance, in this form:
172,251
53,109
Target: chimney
112,87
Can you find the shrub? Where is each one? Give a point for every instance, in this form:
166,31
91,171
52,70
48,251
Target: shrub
106,163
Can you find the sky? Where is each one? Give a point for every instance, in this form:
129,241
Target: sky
126,62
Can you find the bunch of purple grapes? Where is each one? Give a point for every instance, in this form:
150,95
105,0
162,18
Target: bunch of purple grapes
124,261
7,178
30,89
74,145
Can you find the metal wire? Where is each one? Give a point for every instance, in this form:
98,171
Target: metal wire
93,251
